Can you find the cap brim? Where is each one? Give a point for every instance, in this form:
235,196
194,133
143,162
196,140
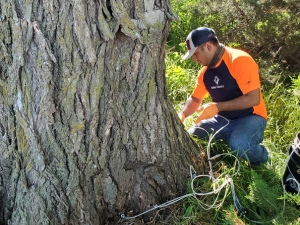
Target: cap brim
189,54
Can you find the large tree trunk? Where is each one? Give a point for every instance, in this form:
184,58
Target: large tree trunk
86,128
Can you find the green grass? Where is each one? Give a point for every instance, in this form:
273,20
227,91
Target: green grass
259,191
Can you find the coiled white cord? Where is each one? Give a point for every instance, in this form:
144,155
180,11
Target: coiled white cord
223,181
219,183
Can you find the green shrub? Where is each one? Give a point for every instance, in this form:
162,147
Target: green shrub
180,81
266,29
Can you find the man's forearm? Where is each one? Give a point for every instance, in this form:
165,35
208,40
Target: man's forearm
191,106
243,102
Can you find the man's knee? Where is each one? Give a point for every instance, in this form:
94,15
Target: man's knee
253,153
242,142
239,148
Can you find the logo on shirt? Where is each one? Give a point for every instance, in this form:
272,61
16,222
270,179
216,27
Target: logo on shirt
217,80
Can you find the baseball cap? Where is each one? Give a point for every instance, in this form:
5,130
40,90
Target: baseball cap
196,38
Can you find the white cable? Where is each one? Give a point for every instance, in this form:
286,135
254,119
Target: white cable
217,187
208,146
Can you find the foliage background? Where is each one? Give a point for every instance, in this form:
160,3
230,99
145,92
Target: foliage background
269,31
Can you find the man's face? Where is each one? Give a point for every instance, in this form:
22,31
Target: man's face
203,54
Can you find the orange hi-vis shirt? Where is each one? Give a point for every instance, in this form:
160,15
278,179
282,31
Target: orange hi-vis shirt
235,75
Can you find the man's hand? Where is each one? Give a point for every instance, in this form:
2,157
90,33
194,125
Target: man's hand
207,111
181,117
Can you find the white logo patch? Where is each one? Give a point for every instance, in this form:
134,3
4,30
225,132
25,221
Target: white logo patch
216,80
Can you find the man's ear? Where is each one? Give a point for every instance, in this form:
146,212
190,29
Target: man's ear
208,46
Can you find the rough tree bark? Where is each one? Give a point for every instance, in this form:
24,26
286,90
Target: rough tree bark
86,128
